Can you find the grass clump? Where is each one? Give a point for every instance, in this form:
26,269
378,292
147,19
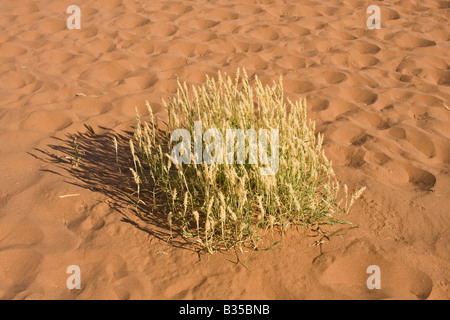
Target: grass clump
219,206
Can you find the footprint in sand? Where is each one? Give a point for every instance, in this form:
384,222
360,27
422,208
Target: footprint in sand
18,268
407,40
333,77
130,21
46,121
11,50
347,275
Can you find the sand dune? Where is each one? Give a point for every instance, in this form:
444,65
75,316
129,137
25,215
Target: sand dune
381,98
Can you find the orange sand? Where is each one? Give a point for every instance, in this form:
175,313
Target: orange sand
381,98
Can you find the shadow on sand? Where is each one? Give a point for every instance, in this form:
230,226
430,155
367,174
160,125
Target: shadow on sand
89,160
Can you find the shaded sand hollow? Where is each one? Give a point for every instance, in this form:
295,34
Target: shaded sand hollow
381,98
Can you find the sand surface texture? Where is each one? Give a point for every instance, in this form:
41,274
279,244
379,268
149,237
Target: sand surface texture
381,98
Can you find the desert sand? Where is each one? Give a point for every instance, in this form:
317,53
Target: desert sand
381,97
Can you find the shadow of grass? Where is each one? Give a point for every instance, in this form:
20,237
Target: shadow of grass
91,162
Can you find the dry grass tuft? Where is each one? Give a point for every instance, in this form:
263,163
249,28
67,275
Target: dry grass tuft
221,206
